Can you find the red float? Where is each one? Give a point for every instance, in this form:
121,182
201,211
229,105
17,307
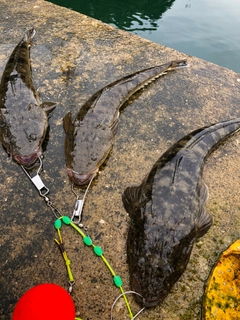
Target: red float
45,302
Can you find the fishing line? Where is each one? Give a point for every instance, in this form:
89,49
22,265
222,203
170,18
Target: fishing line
96,249
123,294
77,212
78,207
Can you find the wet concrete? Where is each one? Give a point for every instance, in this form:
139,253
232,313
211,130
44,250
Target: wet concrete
74,56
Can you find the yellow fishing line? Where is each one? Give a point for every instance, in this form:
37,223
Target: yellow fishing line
97,250
126,302
63,252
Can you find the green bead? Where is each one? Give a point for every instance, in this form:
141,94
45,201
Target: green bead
117,281
58,224
98,251
87,241
66,220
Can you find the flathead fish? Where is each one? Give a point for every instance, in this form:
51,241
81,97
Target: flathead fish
23,118
167,212
89,138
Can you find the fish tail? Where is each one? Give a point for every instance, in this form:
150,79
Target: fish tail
210,137
29,35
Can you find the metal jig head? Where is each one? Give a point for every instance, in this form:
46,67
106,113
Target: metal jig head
78,207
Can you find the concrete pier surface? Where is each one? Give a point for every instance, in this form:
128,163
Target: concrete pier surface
73,57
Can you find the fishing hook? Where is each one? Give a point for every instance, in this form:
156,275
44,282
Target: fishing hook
127,292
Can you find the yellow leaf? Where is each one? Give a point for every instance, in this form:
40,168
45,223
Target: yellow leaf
222,294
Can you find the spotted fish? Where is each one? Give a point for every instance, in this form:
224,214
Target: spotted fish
89,138
167,212
23,118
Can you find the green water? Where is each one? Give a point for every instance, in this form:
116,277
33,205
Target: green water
208,29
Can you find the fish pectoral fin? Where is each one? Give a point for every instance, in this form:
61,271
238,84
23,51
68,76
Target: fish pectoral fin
114,126
205,219
131,199
67,122
48,106
204,223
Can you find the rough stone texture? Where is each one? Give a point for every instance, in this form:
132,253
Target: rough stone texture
72,58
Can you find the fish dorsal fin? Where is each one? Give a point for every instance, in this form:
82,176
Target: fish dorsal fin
131,199
205,219
48,106
67,122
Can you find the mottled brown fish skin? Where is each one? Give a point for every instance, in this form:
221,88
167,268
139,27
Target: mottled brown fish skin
89,138
23,119
168,214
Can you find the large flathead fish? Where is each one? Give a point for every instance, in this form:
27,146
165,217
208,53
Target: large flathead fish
168,214
23,118
89,138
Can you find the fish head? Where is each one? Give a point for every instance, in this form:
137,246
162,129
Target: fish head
23,139
83,162
155,267
86,149
27,148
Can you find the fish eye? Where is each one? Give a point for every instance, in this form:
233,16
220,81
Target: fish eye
93,158
32,137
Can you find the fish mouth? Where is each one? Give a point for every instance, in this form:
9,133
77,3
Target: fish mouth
150,303
27,161
146,302
143,298
80,179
